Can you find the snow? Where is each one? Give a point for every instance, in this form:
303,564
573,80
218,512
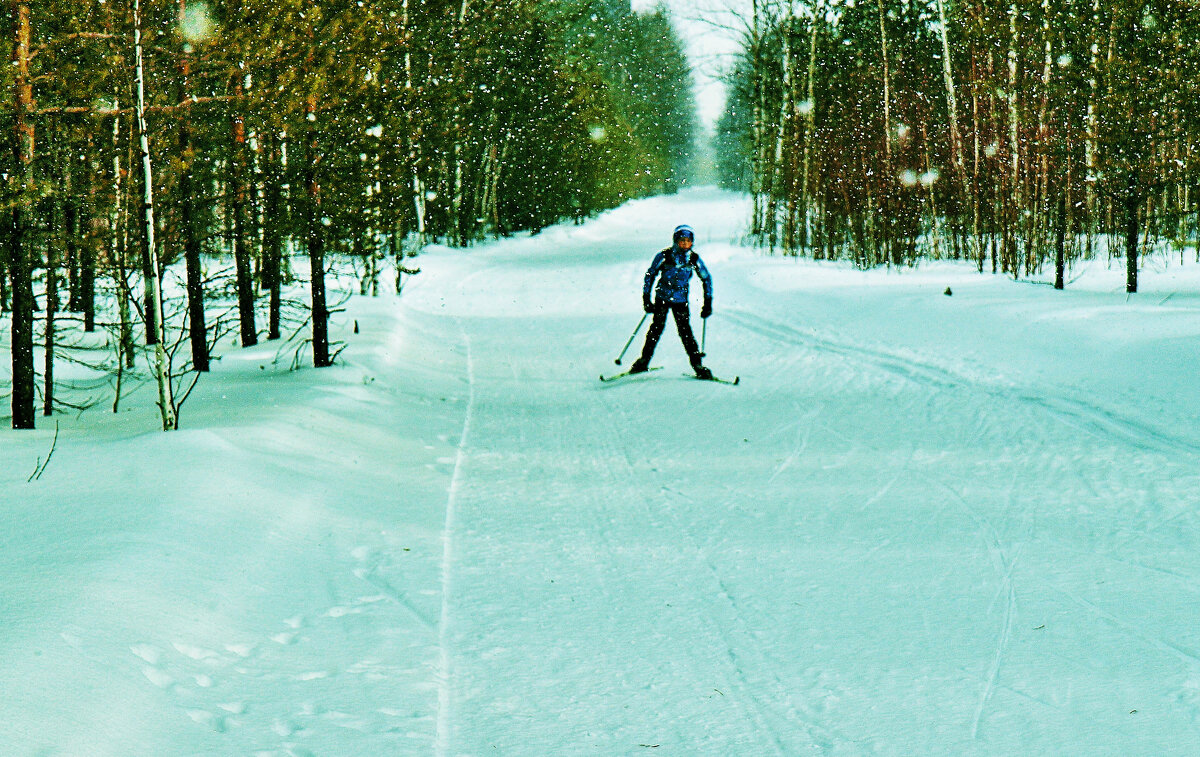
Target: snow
922,524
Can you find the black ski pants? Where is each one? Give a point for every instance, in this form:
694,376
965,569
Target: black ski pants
682,324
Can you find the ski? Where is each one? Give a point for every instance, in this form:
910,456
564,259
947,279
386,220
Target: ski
731,382
623,374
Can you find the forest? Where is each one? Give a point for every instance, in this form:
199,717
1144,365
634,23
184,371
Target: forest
1015,134
175,165
186,171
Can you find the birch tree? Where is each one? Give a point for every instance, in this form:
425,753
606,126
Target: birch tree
781,126
956,142
162,375
1012,236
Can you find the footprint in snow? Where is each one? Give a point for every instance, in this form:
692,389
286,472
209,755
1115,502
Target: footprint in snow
208,719
147,652
284,728
346,720
193,652
316,675
152,655
158,678
287,638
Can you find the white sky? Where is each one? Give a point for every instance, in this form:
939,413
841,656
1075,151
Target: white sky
711,32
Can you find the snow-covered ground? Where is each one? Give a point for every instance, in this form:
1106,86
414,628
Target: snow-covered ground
922,525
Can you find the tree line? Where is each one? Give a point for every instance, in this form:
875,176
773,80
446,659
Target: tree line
1014,133
174,164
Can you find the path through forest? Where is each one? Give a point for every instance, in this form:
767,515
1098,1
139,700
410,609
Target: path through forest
923,524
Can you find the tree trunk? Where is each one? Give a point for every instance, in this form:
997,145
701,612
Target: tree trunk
1132,204
887,92
92,221
51,313
197,327
1014,118
20,247
999,226
316,244
71,231
956,143
810,121
166,402
1093,126
417,185
1041,204
118,249
933,210
458,216
889,174
4,270
237,212
758,172
1060,248
785,112
54,238
273,235
975,231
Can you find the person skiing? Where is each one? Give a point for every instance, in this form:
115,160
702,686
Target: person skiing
673,267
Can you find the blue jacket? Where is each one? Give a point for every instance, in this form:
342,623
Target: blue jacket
674,268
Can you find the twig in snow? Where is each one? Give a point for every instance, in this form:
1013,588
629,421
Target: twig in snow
40,468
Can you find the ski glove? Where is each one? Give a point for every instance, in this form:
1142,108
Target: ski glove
647,305
706,311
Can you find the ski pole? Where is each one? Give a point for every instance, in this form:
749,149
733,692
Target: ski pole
703,335
631,336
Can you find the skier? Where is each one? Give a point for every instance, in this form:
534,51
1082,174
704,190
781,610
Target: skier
674,267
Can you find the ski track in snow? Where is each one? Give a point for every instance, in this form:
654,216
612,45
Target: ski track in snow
1002,562
936,379
1102,423
445,674
750,701
753,659
1001,644
804,430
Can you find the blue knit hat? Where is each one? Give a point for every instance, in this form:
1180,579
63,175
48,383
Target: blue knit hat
681,231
